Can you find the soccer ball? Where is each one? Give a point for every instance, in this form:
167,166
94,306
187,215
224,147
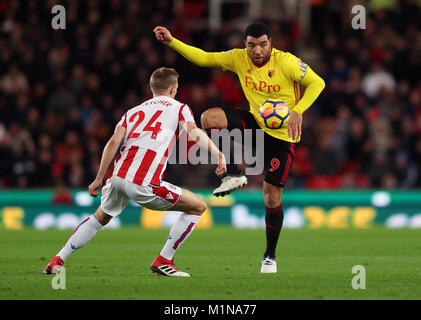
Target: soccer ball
274,113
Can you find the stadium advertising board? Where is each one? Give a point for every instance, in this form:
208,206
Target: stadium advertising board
303,209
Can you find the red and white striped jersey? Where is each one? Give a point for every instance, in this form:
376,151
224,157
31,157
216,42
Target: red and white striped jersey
152,129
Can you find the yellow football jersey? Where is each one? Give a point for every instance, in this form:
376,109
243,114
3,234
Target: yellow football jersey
277,79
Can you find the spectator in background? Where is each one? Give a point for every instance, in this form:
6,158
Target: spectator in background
61,93
356,139
20,141
376,80
380,167
14,82
70,151
62,194
326,158
405,170
7,157
61,101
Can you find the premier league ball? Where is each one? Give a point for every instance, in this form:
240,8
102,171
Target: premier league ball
274,113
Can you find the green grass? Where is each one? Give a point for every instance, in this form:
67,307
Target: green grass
224,262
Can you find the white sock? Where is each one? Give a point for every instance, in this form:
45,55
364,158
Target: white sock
179,232
83,233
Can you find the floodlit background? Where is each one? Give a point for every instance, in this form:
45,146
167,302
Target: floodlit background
63,91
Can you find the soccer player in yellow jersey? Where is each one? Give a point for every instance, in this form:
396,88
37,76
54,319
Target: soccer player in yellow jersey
265,73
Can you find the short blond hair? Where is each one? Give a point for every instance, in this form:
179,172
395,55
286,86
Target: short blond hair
162,79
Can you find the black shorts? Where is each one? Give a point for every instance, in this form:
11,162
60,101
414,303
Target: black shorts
278,154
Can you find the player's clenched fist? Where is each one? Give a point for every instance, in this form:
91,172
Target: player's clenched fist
93,187
163,34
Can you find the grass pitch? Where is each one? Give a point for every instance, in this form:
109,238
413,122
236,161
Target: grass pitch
224,263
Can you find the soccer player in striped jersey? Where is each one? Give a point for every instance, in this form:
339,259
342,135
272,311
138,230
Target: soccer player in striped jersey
265,73
148,132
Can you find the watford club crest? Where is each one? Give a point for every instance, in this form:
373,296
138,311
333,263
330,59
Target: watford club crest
271,73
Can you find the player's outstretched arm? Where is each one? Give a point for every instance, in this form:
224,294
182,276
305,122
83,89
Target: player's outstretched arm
193,54
108,154
203,141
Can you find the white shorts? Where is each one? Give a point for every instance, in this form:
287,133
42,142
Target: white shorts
117,192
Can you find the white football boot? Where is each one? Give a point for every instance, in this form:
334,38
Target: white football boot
229,184
268,265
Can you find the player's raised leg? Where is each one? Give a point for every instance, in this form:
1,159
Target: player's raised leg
216,118
193,207
83,233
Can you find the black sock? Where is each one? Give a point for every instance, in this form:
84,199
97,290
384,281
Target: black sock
232,168
274,219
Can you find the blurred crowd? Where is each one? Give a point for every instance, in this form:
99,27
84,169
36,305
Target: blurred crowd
63,91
